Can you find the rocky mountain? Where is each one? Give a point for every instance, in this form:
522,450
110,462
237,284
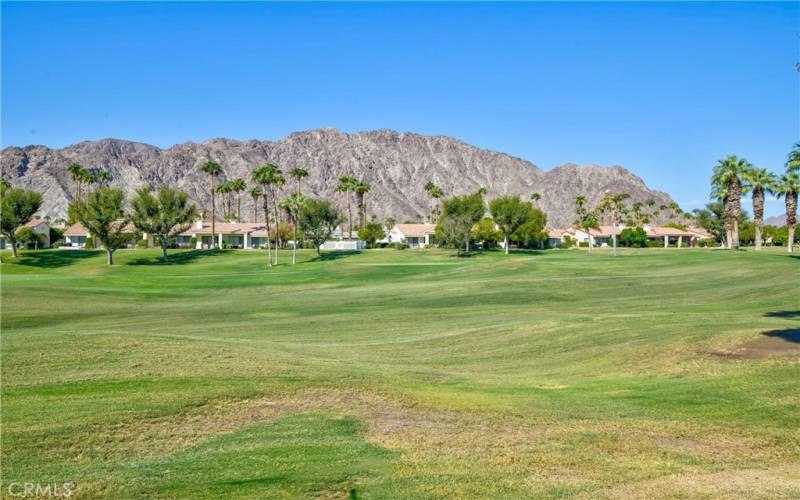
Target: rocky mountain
397,165
776,220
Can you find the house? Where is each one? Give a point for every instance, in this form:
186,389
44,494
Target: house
38,226
699,234
413,235
232,234
555,237
668,235
75,235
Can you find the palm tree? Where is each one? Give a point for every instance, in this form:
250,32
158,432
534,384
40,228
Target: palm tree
102,177
584,219
256,193
278,181
213,169
614,205
761,181
346,184
535,197
225,189
76,171
788,187
264,175
298,174
727,185
361,188
793,163
293,204
238,186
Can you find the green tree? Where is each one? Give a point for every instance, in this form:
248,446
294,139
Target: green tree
294,204
509,213
485,231
728,187
164,215
535,197
4,185
318,219
788,188
435,192
17,208
361,188
278,181
256,193
533,230
346,186
298,174
584,219
28,238
238,186
104,217
78,174
265,176
459,215
633,237
213,169
612,206
793,162
371,232
761,181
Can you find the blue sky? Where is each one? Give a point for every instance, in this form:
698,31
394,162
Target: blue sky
662,89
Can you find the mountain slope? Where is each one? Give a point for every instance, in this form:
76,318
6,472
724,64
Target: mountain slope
397,165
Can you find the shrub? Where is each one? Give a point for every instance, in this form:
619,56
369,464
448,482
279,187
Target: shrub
569,241
193,242
89,243
141,244
583,244
399,245
633,237
225,245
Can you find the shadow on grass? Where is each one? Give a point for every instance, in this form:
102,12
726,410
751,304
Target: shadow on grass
336,254
783,314
53,258
254,482
176,257
789,334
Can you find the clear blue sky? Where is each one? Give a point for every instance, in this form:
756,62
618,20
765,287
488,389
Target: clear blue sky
663,89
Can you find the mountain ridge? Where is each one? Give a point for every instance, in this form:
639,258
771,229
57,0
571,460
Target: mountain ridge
396,164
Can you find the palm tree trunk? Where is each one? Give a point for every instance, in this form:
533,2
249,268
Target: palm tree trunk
350,217
277,225
266,221
505,237
294,240
758,213
213,215
791,218
614,239
239,206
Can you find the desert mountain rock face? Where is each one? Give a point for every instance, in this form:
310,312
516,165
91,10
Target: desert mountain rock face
397,165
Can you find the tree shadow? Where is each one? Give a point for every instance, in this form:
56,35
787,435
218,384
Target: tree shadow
789,334
177,258
336,254
48,259
783,314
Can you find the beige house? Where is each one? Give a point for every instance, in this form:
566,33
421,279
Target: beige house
413,235
233,234
75,235
604,234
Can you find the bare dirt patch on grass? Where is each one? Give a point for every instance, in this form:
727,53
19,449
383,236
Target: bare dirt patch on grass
771,344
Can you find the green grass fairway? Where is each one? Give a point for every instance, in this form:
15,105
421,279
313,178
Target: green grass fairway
403,374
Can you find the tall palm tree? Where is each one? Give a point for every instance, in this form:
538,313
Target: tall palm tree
256,193
793,163
213,169
238,186
224,189
293,204
435,192
77,172
728,186
361,188
535,197
614,206
264,175
761,181
584,219
345,186
788,187
298,174
102,177
278,181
